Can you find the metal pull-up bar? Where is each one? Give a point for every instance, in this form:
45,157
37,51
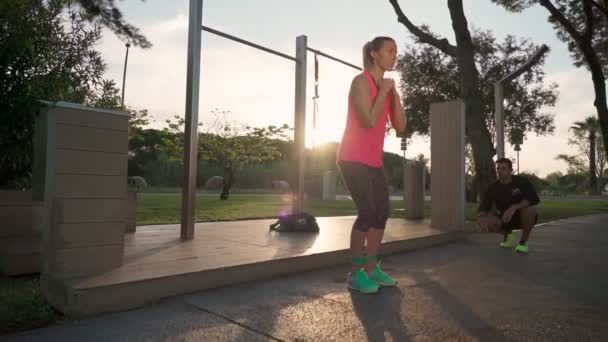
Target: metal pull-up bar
192,89
300,103
195,27
246,42
321,53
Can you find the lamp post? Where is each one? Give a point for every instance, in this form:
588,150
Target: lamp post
124,74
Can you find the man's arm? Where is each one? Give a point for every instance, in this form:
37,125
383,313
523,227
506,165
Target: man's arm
530,198
530,195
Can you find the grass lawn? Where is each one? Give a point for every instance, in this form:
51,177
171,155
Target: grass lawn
23,306
165,208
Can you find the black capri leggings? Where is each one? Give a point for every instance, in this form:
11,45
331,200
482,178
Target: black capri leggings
369,189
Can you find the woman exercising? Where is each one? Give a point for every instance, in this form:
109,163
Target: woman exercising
372,101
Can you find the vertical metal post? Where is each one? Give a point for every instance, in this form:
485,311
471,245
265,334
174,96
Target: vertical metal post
124,75
499,120
314,115
300,120
499,96
191,122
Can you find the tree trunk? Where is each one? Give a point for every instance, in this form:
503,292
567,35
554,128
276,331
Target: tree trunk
599,86
477,132
593,189
228,182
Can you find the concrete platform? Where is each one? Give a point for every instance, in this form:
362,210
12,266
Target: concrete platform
159,265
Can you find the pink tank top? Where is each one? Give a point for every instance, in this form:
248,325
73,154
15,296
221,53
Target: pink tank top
361,144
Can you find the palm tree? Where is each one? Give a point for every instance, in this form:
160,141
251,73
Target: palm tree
591,127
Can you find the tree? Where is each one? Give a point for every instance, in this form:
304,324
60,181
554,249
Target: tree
107,96
591,157
538,183
583,25
428,76
560,184
575,163
234,146
591,127
230,145
570,183
45,54
106,13
464,55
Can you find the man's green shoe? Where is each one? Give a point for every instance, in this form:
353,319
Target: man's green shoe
522,248
508,241
359,280
383,279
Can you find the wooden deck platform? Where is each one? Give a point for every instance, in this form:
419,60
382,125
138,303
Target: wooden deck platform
158,264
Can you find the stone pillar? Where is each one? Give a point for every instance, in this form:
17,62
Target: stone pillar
413,190
447,165
80,174
329,185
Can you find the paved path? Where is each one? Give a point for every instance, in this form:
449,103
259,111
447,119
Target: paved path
464,291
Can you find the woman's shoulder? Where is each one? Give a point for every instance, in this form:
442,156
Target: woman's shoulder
360,77
360,80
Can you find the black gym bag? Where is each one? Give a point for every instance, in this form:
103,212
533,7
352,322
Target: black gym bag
296,223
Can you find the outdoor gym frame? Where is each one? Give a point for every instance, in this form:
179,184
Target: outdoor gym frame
195,28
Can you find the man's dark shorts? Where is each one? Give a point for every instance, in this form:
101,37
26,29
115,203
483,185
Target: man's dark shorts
515,222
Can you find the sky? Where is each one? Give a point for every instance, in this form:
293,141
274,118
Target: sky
258,88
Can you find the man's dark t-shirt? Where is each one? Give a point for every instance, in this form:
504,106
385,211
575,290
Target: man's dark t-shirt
505,195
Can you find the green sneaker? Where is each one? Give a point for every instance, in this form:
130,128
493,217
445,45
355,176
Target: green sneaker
522,248
508,241
359,281
381,278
